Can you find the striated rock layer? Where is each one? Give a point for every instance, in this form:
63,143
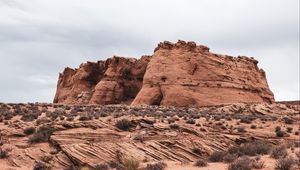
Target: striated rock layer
180,74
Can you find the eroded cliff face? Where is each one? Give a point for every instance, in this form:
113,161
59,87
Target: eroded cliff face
178,74
116,80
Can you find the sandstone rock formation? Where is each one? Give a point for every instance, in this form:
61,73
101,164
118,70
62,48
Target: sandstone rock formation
116,80
156,134
180,74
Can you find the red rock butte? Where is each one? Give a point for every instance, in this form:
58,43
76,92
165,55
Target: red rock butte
177,74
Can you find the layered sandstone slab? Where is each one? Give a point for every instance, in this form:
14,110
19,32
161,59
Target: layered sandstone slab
180,74
155,134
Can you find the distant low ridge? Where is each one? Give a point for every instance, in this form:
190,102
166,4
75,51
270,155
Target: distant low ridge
177,74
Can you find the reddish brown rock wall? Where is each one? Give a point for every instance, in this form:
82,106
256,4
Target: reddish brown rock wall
180,74
116,80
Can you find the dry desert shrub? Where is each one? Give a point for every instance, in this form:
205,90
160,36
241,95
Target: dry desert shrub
279,152
285,163
246,119
85,117
191,121
201,163
29,117
298,158
124,124
130,163
41,166
174,126
288,120
41,135
280,133
289,129
3,153
217,156
29,130
241,129
251,149
257,163
70,118
102,166
228,158
253,126
196,150
156,166
243,163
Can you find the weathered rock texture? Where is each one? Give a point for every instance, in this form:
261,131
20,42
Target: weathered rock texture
180,74
116,80
156,134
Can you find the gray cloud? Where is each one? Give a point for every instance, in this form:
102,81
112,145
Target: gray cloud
40,38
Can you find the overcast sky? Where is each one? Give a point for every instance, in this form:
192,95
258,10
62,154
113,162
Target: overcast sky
39,38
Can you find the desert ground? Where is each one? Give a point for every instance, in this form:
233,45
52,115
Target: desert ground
86,137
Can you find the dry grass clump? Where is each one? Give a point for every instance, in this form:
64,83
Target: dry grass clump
191,121
29,117
246,163
85,118
174,126
130,163
288,120
196,150
102,166
228,158
243,163
298,158
241,129
279,132
217,156
41,135
124,124
257,163
156,166
29,130
251,149
247,119
253,126
70,118
289,129
3,153
285,163
124,162
234,153
279,152
201,163
41,166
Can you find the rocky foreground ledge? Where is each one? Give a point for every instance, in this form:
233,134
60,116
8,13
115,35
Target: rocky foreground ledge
56,136
177,74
